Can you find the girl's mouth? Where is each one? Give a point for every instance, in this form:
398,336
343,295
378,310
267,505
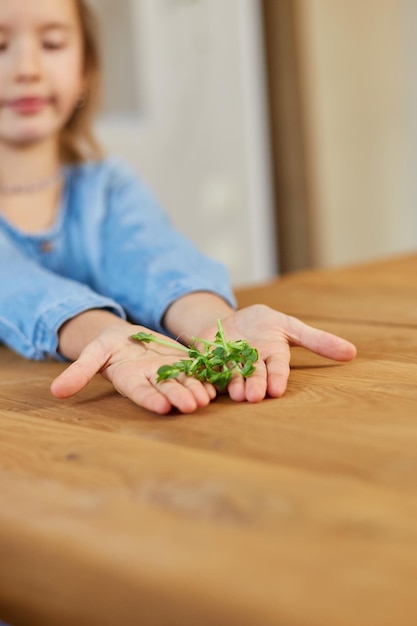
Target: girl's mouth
28,105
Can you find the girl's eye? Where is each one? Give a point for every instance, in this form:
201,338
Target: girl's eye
3,46
53,45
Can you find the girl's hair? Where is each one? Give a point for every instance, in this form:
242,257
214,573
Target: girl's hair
77,141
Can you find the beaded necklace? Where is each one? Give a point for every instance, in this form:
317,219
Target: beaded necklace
36,185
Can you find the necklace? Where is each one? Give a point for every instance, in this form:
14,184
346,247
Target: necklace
36,185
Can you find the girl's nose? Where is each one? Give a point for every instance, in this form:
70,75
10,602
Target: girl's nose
27,63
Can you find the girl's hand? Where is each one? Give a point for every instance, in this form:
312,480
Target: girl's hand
272,333
132,367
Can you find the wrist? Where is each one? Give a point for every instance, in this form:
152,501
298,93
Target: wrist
193,313
79,331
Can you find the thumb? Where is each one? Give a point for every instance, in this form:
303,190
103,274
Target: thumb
77,375
321,342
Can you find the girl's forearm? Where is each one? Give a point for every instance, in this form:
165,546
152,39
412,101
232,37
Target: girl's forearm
75,334
192,313
185,318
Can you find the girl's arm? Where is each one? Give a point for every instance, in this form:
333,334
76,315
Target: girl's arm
76,333
45,315
142,261
132,366
35,303
192,313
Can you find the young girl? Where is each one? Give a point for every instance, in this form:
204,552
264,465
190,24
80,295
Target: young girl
86,257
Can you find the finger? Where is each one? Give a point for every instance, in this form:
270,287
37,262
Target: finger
77,375
200,391
236,388
178,395
251,389
278,374
144,390
278,371
256,383
319,341
211,390
142,393
136,386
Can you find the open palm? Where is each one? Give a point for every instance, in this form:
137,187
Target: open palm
273,333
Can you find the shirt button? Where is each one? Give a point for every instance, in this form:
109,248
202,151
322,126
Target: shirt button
46,246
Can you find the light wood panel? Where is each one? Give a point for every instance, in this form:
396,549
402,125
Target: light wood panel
355,72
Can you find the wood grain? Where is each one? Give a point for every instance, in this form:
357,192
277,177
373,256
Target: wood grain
379,292
298,511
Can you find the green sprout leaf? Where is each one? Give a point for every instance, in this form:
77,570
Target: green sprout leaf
216,364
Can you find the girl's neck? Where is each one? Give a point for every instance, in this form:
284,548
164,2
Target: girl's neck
35,209
25,165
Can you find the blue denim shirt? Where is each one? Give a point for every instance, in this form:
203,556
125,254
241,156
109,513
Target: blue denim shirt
110,247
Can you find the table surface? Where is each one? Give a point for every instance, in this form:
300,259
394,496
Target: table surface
299,511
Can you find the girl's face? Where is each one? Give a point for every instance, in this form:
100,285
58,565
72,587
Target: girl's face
41,68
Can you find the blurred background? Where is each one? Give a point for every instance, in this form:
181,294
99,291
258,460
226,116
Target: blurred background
278,134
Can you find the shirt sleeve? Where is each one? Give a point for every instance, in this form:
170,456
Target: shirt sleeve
146,263
35,302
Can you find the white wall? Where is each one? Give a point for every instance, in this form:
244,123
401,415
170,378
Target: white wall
199,136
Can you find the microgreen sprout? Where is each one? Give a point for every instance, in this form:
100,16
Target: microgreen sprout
215,364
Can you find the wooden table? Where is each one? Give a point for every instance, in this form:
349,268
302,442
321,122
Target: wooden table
300,511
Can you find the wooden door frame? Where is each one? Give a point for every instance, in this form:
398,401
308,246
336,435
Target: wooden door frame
289,163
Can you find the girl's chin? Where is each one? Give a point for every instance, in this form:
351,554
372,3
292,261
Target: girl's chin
26,139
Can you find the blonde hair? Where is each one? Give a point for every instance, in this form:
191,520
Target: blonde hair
77,141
